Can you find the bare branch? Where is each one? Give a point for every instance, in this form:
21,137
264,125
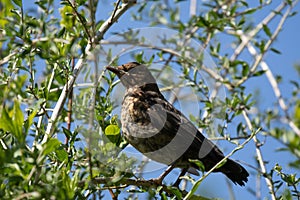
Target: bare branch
115,10
125,182
265,21
209,71
197,183
258,60
67,88
260,158
7,58
193,6
114,18
279,97
259,57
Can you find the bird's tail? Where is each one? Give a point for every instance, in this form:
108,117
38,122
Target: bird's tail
235,172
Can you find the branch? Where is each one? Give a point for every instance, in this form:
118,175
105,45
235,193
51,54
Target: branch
7,58
197,183
114,18
251,34
279,97
80,19
258,57
115,10
260,158
68,86
209,71
125,182
258,60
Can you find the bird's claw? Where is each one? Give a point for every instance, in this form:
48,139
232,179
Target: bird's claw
157,181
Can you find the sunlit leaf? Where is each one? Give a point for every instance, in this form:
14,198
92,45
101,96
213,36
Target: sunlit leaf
51,145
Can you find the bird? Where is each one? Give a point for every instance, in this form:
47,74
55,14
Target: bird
161,132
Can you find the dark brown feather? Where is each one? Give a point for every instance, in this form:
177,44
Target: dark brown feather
158,130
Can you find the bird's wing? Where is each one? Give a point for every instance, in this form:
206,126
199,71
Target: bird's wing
170,121
185,136
189,143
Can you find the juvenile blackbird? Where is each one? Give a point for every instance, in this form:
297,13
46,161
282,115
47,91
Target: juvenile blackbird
161,132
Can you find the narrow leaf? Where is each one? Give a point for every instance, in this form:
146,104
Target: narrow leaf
267,30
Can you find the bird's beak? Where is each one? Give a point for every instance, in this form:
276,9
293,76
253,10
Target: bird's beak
113,69
117,70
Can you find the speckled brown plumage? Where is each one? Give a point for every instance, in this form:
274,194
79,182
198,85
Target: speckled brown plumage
158,130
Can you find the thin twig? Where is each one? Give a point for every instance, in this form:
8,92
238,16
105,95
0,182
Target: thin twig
230,190
193,7
265,67
113,195
92,117
64,94
259,57
251,34
81,20
279,97
67,88
125,182
70,105
7,58
115,10
31,88
260,158
258,187
113,18
209,71
197,183
27,195
227,137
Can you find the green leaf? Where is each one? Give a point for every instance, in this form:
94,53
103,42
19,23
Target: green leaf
51,146
113,133
112,130
275,50
6,121
67,17
139,57
29,121
267,30
198,163
5,13
297,113
18,120
62,155
293,13
259,73
250,11
245,70
176,192
18,2
12,121
67,132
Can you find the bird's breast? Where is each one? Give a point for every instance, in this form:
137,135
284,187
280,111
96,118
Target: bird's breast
134,114
134,109
146,126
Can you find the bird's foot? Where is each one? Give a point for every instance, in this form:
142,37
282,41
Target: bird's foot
179,179
159,180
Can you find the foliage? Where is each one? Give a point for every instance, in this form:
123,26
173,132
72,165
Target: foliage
60,136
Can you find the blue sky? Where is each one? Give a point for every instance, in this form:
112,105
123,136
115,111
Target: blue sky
288,42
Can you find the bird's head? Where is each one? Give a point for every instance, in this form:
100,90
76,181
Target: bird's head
134,74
